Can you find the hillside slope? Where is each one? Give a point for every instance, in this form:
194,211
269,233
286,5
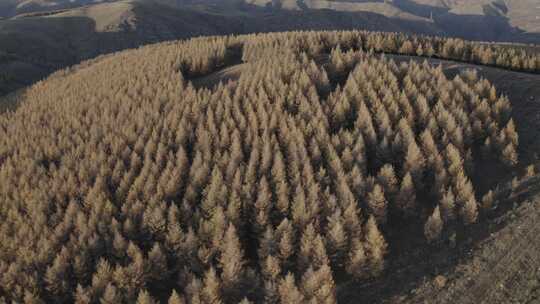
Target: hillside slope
500,262
31,46
36,43
34,46
505,267
9,8
312,174
496,20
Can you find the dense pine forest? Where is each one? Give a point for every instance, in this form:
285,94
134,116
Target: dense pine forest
122,182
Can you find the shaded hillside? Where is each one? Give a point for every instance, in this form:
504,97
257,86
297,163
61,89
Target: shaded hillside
489,20
37,45
55,36
34,46
9,8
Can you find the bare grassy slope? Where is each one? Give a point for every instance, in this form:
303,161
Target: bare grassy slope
525,14
10,8
497,20
379,7
503,268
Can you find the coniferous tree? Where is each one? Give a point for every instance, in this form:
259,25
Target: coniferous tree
406,199
286,242
376,247
414,162
30,298
245,301
378,204
145,298
175,298
447,206
509,155
530,171
387,178
211,292
469,212
57,275
82,295
357,261
434,226
110,295
336,237
289,292
487,200
231,261
157,262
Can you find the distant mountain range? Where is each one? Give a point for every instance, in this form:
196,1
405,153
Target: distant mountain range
40,36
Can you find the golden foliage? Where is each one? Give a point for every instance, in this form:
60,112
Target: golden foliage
121,181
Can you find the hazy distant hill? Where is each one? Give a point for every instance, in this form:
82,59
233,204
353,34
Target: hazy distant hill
473,19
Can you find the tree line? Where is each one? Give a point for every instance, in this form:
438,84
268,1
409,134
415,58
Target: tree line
496,55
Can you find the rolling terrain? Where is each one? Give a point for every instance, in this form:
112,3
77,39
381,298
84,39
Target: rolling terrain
32,46
38,37
488,20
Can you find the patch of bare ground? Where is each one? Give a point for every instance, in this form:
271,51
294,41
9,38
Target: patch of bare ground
499,262
503,268
231,73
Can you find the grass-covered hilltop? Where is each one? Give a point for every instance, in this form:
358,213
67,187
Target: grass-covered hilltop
276,168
